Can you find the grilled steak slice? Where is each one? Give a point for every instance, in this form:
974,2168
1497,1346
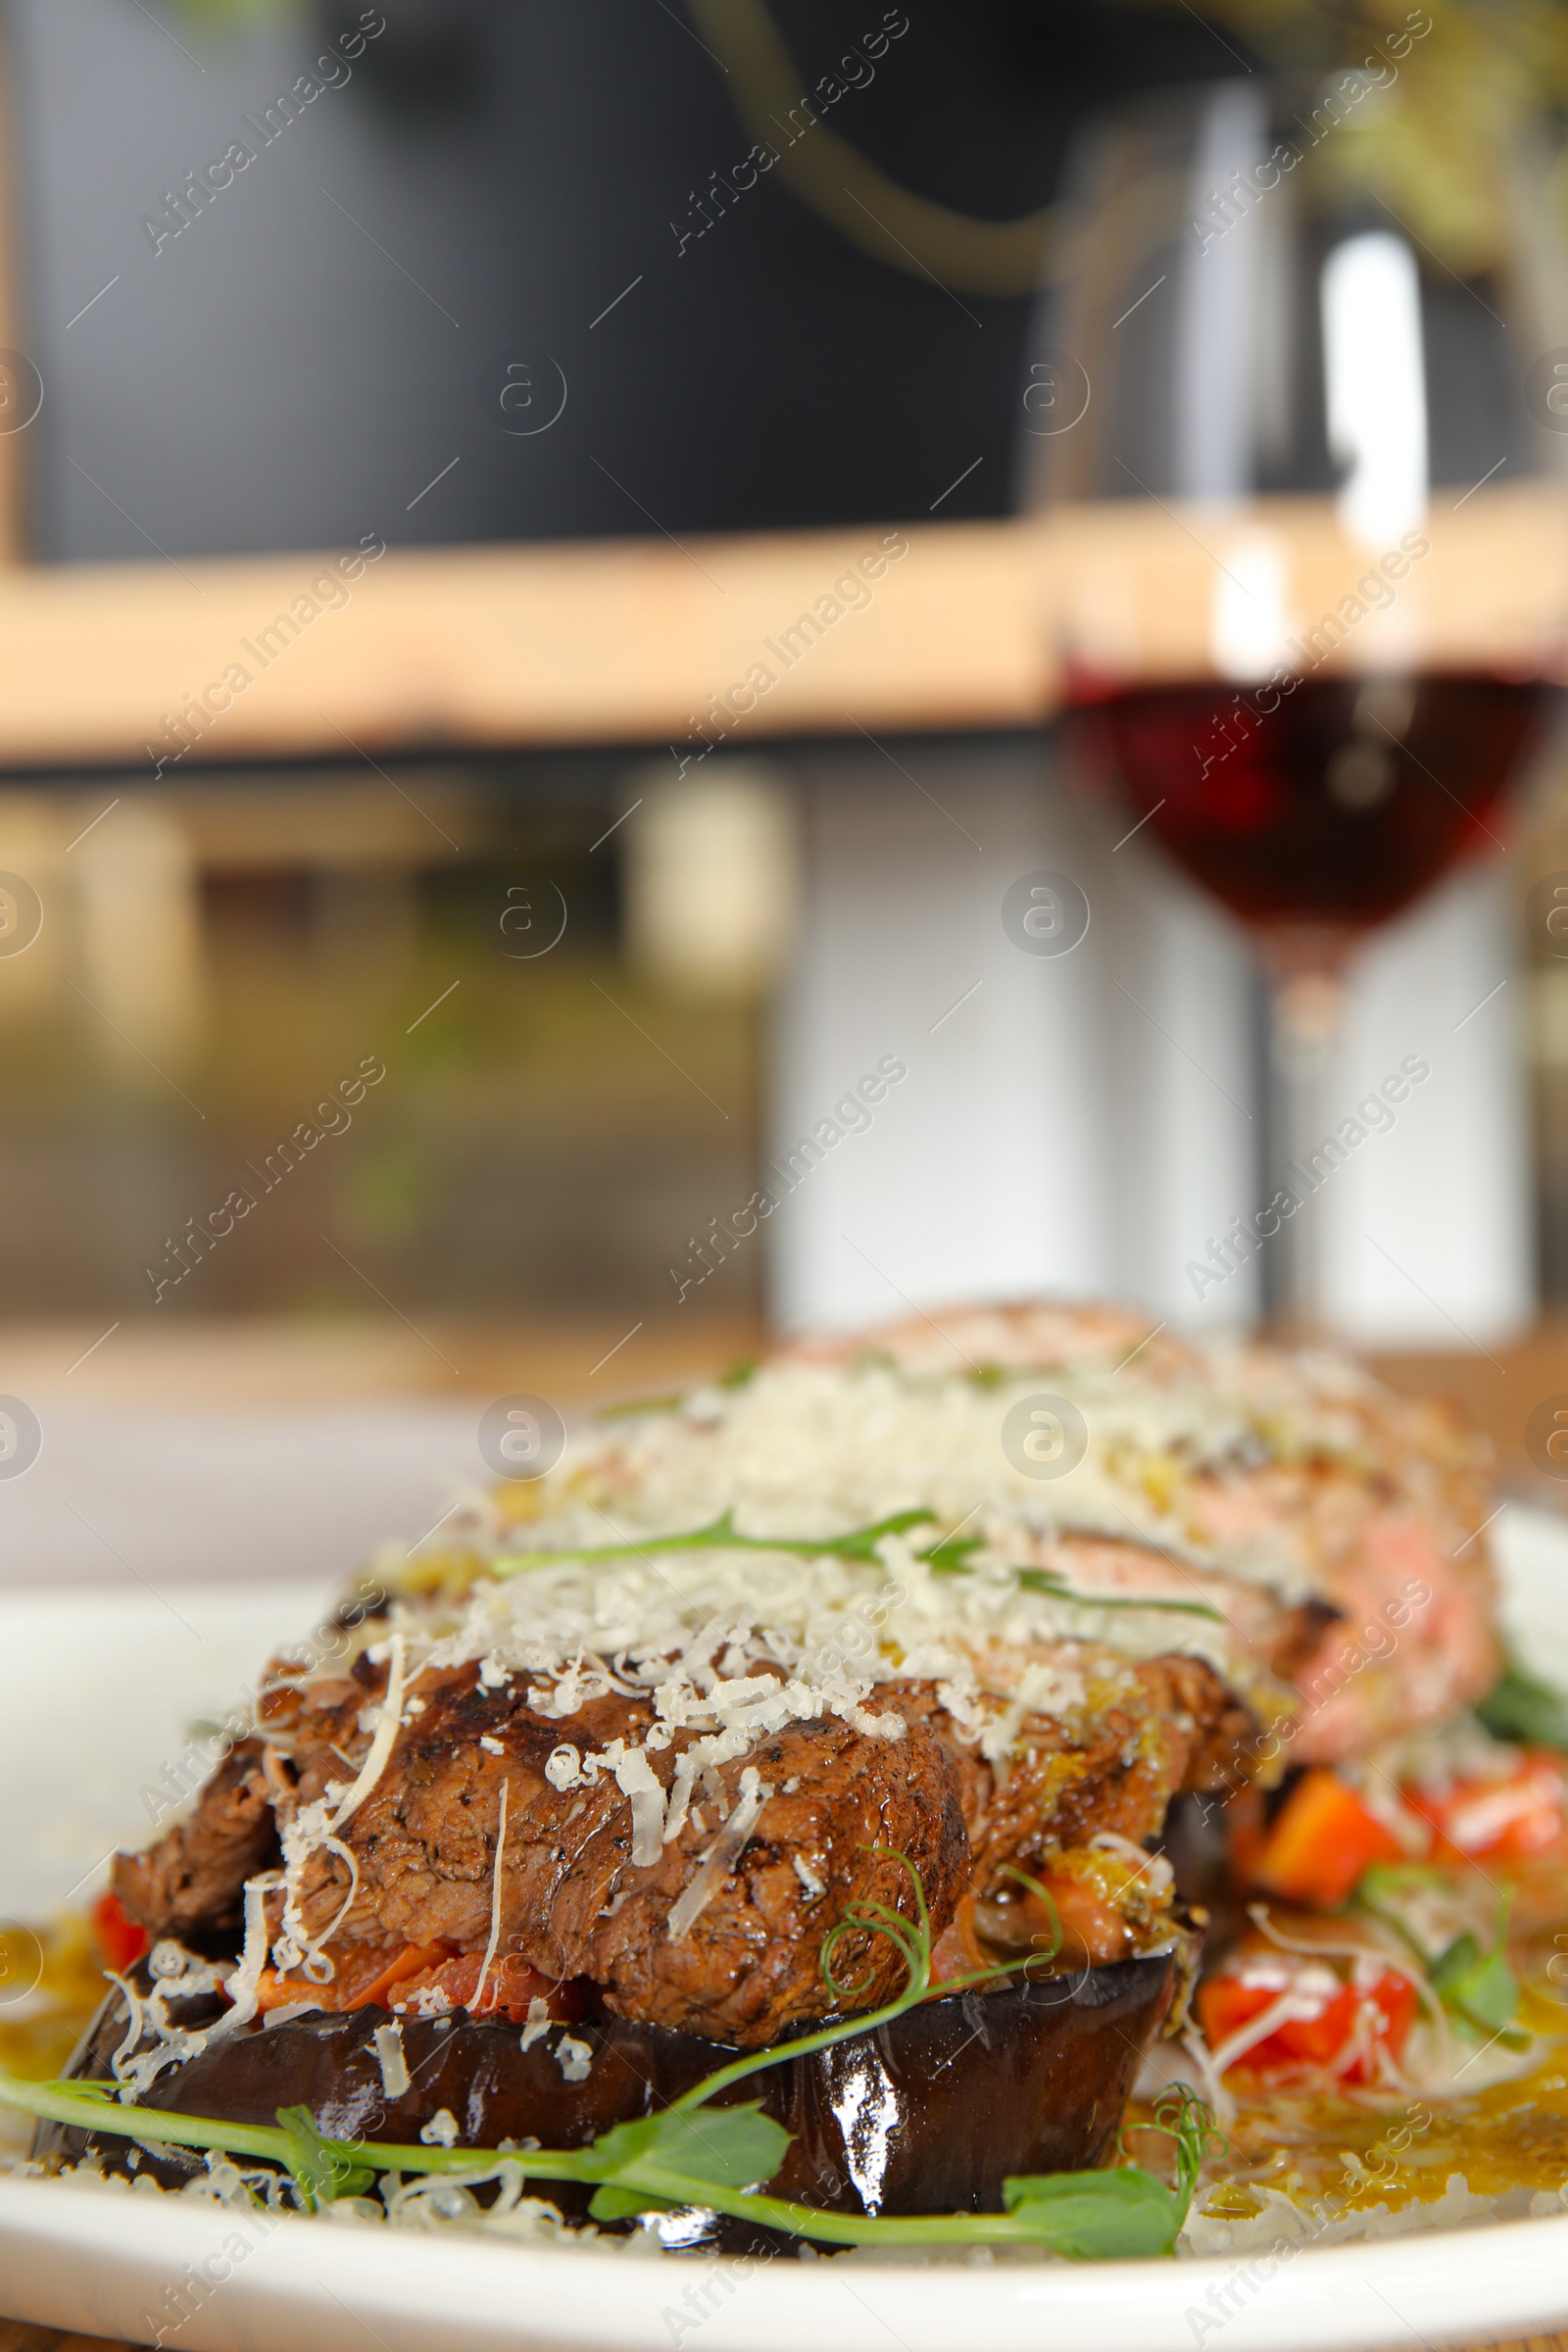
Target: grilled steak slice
717,1932
1170,1726
845,1807
719,1928
194,1876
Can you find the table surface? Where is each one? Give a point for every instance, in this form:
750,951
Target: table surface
264,1365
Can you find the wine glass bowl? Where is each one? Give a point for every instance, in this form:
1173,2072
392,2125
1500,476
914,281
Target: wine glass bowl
1311,520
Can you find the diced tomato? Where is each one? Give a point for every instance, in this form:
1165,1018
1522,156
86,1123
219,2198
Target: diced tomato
1326,2024
1321,1840
958,1952
363,1974
510,1989
1524,1814
119,1939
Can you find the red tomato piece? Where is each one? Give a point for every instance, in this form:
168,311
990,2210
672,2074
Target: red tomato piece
1315,2042
1321,1840
1524,1814
363,1974
119,1939
510,1987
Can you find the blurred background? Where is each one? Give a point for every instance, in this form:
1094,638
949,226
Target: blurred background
417,1023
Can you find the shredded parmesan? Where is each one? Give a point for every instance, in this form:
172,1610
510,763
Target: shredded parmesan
721,1856
386,1731
495,1901
539,2022
391,2059
636,1779
575,2058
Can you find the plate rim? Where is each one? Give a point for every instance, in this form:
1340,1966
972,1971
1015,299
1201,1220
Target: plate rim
407,2279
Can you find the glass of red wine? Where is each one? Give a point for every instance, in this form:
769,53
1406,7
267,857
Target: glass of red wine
1306,477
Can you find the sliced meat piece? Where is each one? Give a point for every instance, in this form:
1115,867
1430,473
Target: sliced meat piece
194,1876
1276,1634
575,1903
1170,1724
845,1807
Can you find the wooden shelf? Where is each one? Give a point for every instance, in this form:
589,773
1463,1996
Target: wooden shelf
590,643
634,642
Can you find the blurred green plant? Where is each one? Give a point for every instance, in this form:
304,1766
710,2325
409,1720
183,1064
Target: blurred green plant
221,15
1444,142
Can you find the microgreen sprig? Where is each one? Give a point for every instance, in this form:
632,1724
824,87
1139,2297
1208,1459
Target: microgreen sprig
950,1555
721,1535
675,2159
1054,1585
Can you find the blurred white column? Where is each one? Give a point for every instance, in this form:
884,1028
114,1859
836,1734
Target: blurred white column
1430,1220
1066,1121
1091,1124
1181,1083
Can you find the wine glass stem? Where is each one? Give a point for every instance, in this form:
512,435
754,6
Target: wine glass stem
1306,1018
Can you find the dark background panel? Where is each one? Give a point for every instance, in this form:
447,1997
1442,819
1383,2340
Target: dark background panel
312,354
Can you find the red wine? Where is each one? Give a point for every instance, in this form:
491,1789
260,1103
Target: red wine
1337,803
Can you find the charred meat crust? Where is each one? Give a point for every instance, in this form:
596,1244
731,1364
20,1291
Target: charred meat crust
575,1903
194,1876
1176,1727
572,1901
929,2114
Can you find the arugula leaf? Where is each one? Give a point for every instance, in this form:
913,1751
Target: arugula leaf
1518,1707
1099,2216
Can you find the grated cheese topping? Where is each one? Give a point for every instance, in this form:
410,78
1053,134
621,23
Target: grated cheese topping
808,1449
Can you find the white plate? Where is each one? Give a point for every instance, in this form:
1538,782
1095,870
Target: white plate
95,1698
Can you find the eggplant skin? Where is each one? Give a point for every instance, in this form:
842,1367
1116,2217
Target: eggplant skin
929,2114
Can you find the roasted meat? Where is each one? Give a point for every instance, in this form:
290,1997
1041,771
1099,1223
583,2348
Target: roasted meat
194,1876
719,1932
717,1929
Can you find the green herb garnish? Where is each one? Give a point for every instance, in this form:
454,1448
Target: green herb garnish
953,1555
860,1543
671,1400
1518,1707
1473,1980
1051,1582
950,1555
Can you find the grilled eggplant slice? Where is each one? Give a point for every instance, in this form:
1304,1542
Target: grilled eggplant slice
929,2113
